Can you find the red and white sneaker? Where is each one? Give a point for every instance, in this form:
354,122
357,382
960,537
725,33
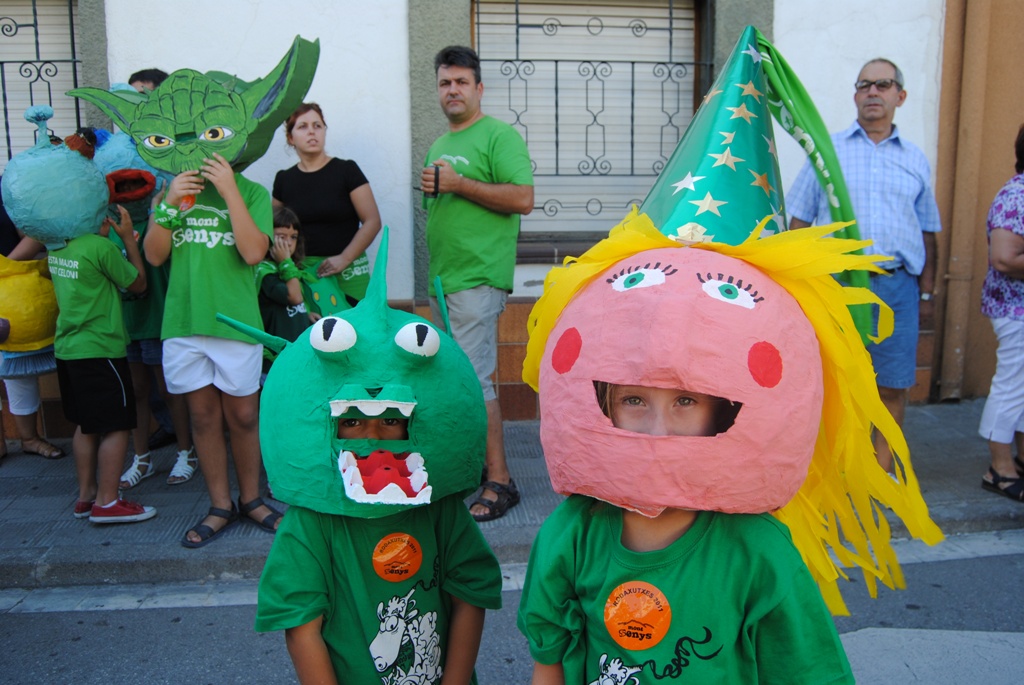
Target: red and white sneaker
121,511
83,508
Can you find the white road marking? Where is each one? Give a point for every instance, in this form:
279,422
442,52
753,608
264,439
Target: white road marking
243,592
901,655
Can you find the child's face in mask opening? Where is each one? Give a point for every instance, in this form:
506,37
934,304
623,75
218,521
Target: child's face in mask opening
373,429
662,411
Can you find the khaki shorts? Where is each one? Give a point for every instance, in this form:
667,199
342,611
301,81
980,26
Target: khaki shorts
474,317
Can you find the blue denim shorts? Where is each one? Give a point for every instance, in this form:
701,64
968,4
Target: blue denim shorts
148,352
895,358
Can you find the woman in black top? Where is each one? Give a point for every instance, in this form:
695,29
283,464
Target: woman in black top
339,216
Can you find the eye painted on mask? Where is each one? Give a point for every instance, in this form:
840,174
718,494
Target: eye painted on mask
157,142
418,338
332,334
216,134
644,276
730,290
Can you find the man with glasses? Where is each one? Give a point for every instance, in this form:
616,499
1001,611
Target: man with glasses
889,180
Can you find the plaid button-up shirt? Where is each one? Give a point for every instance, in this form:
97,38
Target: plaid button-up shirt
890,187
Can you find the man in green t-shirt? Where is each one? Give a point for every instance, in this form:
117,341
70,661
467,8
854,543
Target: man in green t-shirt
477,182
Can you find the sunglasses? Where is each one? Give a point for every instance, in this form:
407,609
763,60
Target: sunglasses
881,84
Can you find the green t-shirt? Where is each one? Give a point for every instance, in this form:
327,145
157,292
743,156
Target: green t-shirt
469,244
144,314
280,318
383,586
730,601
86,276
208,274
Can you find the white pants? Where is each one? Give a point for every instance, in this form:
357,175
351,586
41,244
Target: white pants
1004,409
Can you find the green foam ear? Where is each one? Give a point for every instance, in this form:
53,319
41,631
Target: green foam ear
119,106
377,290
442,305
266,339
272,99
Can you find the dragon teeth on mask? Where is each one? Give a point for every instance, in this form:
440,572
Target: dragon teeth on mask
371,407
418,475
391,493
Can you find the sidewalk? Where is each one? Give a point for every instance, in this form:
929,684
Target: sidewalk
41,544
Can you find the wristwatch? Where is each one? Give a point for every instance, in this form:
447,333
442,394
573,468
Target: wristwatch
926,297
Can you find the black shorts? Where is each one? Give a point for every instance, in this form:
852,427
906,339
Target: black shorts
97,394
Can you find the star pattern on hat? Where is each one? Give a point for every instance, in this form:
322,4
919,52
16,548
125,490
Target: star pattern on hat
714,146
687,182
761,181
726,159
750,89
742,112
711,93
778,220
708,204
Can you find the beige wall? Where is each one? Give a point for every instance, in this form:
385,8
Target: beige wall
981,109
433,24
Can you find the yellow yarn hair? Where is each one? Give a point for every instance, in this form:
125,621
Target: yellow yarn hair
838,513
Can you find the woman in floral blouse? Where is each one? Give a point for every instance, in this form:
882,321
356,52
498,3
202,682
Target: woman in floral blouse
1002,300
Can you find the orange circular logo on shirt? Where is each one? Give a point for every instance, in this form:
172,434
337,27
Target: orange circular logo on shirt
397,557
637,615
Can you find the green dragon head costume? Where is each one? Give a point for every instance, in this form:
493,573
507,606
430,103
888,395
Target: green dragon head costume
191,115
370,362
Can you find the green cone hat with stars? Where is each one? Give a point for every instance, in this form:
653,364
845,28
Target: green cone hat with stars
723,178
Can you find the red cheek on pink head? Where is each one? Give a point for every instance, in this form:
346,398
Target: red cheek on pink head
765,364
567,351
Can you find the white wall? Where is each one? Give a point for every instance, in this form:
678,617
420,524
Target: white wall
826,42
362,82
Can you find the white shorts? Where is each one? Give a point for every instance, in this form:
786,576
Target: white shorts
194,362
23,395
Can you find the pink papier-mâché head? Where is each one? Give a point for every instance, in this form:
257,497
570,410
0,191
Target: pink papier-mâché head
697,320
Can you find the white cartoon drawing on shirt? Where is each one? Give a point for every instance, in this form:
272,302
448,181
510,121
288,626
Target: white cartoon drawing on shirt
407,643
296,310
614,672
454,161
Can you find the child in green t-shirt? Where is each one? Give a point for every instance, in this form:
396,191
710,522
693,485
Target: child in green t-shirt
310,644
681,560
214,226
681,395
373,427
143,317
278,280
95,382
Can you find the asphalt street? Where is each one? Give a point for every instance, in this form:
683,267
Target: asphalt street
951,625
83,604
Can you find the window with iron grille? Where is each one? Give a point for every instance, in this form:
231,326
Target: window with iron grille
600,91
38,64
